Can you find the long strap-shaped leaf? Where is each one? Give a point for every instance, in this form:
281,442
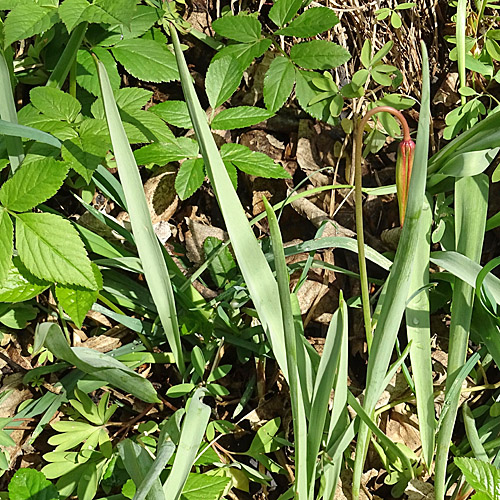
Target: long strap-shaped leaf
193,430
95,363
251,260
397,284
139,465
419,334
148,247
15,130
471,205
9,114
63,66
302,479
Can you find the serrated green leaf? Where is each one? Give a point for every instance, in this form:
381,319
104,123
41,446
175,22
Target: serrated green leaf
122,10
143,19
223,78
482,476
30,484
173,112
204,487
143,126
77,301
163,153
55,103
6,245
86,71
278,83
33,184
283,11
305,91
129,100
147,60
20,284
50,247
242,28
72,13
240,117
480,496
252,162
310,23
244,53
190,177
319,54
31,117
85,153
26,19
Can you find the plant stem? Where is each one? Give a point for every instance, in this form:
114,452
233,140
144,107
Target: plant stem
358,196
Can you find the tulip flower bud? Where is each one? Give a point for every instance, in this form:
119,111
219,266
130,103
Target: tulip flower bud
404,164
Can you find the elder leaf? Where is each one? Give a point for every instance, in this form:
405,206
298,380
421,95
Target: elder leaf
33,184
50,248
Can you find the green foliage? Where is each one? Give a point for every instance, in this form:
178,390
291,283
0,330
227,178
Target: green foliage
147,60
71,140
241,28
190,177
278,83
310,23
30,484
482,476
223,77
33,184
51,249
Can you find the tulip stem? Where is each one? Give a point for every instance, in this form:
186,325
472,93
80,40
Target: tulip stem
358,147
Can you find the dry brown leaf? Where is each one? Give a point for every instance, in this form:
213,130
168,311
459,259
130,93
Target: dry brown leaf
196,236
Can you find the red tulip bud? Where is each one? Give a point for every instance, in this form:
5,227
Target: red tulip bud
404,164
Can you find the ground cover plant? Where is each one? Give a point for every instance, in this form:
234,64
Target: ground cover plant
249,250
